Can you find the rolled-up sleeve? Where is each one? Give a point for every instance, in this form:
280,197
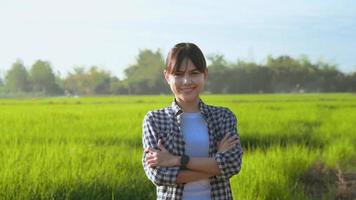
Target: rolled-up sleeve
229,162
158,175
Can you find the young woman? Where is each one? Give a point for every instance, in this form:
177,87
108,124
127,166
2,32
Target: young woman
191,149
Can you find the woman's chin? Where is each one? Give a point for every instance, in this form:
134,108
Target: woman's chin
189,97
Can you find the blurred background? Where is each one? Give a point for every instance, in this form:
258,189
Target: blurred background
115,47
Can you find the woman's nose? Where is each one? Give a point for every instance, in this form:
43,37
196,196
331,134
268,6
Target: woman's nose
186,80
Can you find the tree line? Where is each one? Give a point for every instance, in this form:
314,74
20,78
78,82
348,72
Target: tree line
278,74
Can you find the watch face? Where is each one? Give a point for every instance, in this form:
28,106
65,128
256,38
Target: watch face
184,160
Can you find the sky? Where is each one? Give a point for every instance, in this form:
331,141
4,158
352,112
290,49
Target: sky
110,33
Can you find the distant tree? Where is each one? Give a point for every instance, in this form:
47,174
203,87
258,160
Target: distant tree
250,78
59,81
278,74
310,81
17,78
330,78
99,80
1,86
352,82
43,78
91,82
290,74
219,74
146,75
76,82
118,86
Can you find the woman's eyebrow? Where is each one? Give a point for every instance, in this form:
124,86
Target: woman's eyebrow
193,70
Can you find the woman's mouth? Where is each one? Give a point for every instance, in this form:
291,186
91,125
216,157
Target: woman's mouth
187,89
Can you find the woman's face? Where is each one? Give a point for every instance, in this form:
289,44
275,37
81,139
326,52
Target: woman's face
186,83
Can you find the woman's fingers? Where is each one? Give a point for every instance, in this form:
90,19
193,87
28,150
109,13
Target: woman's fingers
150,149
151,161
160,145
154,157
224,138
228,138
233,143
227,143
151,156
232,138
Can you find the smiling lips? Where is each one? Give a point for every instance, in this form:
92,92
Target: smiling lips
187,89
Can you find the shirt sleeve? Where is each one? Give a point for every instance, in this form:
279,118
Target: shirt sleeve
158,175
229,162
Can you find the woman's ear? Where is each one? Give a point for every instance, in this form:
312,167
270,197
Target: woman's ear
166,76
206,73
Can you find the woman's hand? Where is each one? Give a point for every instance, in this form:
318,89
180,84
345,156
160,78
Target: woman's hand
160,157
227,143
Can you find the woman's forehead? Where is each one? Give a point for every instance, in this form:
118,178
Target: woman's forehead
187,65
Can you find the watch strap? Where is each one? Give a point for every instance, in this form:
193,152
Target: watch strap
184,161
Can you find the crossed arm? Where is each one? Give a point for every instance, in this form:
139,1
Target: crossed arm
163,168
197,168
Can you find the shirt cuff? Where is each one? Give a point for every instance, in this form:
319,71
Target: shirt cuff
170,175
221,161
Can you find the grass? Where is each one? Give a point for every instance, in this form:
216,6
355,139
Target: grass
90,148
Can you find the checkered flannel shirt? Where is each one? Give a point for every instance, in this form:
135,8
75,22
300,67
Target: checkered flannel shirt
164,124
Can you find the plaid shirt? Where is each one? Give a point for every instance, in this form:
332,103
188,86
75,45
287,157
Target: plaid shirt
164,124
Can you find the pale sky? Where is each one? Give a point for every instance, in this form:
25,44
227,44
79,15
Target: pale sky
109,33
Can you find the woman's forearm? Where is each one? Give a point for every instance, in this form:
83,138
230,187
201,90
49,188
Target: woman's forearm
164,159
204,164
201,164
186,176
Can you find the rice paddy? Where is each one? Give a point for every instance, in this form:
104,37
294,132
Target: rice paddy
90,147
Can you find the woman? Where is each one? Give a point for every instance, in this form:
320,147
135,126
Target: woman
191,149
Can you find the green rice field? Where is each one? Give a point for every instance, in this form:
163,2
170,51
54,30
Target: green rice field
90,147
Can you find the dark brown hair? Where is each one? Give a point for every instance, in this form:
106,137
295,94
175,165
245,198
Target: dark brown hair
180,52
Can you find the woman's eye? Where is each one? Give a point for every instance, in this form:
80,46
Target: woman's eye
178,75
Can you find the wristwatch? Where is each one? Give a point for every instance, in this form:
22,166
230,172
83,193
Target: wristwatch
184,161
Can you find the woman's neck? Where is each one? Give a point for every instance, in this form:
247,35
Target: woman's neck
189,106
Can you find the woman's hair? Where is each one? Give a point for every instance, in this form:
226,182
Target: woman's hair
180,52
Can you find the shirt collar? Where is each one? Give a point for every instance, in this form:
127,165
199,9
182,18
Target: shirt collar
204,109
